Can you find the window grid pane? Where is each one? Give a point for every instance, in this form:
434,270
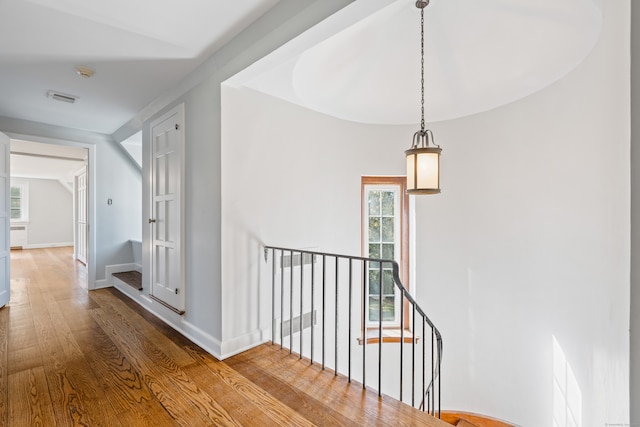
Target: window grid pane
382,241
388,203
374,203
374,229
16,202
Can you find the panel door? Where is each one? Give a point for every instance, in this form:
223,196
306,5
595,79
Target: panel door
5,254
167,280
81,215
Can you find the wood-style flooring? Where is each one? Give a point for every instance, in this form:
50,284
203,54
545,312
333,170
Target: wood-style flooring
72,357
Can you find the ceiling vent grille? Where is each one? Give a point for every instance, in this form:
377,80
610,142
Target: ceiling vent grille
63,97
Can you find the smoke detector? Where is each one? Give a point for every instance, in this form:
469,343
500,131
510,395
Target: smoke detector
83,71
71,99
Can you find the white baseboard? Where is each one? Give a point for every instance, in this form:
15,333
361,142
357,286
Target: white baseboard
220,350
242,343
102,283
47,245
205,340
126,289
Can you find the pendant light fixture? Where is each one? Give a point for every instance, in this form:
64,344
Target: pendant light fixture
423,158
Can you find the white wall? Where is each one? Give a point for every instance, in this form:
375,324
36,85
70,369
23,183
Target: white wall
119,179
200,93
291,178
635,216
528,243
50,214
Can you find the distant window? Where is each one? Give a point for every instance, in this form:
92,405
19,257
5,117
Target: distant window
19,201
385,231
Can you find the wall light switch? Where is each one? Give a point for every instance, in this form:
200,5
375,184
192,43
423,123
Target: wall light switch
109,202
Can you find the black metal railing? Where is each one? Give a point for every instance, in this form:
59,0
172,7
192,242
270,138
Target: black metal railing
313,315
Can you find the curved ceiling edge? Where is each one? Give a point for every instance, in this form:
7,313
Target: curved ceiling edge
479,56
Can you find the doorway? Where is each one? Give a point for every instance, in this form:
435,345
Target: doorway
80,223
48,201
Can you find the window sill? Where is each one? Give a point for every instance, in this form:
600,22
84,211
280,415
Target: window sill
389,335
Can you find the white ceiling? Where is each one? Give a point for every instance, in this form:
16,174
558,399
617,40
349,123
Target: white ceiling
138,50
45,161
479,55
362,64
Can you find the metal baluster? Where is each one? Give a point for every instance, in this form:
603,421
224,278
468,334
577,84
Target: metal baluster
324,297
401,342
336,320
301,295
413,358
281,297
428,389
365,309
313,307
350,307
291,303
439,378
380,281
424,368
273,296
433,384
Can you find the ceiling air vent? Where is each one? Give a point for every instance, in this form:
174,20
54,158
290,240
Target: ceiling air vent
62,97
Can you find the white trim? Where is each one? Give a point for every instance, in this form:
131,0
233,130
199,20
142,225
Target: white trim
76,208
48,245
5,220
74,139
397,215
101,284
243,343
206,341
122,286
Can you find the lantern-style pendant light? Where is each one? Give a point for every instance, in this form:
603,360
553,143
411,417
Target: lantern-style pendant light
423,158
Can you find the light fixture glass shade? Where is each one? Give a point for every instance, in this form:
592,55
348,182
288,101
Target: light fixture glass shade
423,166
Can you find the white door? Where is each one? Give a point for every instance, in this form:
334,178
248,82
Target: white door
167,141
5,254
81,230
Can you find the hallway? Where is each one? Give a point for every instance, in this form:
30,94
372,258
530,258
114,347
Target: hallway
69,357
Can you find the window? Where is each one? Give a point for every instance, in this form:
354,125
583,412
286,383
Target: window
385,231
19,201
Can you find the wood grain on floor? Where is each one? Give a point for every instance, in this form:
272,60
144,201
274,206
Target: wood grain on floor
72,357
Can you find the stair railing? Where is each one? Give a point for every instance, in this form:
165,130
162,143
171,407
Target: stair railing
331,294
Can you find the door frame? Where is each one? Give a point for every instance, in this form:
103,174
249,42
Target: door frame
179,112
5,246
76,208
91,199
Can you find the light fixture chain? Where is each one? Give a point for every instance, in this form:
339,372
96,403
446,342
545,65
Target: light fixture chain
422,124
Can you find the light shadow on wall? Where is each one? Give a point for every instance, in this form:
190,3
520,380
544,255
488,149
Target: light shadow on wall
567,396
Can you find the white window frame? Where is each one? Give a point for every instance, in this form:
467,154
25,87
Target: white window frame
24,199
368,188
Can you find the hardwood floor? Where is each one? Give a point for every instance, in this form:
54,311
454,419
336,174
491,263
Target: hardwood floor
70,357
